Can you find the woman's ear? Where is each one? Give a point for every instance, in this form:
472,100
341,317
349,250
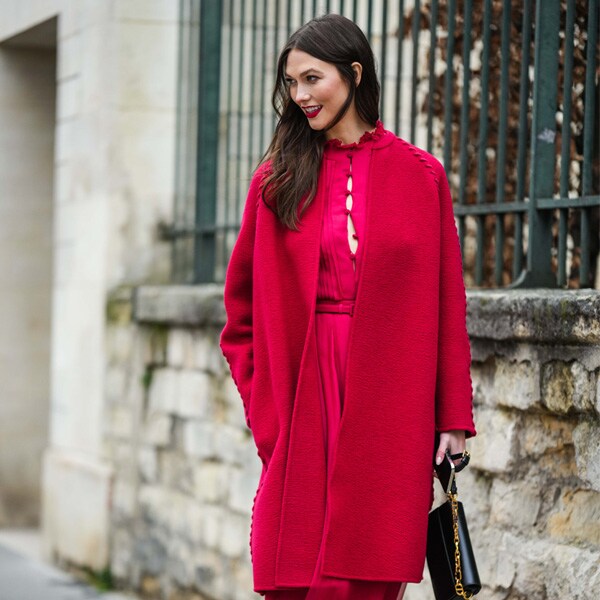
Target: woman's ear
357,68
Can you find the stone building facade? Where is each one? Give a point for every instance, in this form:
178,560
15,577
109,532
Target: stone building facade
121,430
87,114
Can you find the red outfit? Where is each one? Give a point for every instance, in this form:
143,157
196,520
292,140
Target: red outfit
339,271
406,374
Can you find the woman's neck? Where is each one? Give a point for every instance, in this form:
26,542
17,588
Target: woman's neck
348,130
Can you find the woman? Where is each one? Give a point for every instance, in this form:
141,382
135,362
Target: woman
345,331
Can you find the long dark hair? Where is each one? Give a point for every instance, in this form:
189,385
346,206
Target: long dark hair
296,150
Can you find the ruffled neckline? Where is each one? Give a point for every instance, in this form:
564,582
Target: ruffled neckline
367,136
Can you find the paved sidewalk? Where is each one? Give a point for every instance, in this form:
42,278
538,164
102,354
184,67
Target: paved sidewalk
24,578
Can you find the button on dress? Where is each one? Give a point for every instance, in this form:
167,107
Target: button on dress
342,240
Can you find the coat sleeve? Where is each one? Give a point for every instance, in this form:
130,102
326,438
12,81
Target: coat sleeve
454,393
236,337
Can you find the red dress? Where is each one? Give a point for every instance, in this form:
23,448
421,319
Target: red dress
339,272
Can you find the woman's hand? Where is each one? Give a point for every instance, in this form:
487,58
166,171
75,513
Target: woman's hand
453,440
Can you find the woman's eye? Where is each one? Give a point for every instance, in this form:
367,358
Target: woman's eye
289,82
312,78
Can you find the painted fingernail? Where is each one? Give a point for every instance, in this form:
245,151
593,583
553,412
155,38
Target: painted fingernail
438,459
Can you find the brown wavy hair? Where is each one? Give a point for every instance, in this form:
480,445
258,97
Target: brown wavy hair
296,150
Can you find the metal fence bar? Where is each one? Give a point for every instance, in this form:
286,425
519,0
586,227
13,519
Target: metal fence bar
588,136
399,71
589,118
208,136
382,64
186,48
501,151
464,118
370,20
490,208
483,138
413,95
228,217
433,44
263,78
275,52
449,80
253,77
288,19
542,204
276,45
567,202
240,100
517,265
543,131
565,133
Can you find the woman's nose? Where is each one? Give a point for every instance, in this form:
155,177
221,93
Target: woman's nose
301,95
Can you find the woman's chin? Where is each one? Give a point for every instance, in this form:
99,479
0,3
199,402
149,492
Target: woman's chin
315,124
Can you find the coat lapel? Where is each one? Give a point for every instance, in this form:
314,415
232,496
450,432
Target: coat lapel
304,249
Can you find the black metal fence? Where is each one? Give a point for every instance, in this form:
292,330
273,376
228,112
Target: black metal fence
505,93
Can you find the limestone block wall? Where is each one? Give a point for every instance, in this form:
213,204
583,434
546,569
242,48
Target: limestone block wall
186,467
532,490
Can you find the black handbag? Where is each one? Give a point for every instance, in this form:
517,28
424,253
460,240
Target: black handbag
450,557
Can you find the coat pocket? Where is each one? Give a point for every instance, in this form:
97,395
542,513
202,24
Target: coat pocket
254,501
263,415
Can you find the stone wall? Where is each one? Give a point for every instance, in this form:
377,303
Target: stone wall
186,468
532,490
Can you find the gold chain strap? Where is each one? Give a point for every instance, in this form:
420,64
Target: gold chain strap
458,586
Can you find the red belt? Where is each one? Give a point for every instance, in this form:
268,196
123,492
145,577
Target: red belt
335,306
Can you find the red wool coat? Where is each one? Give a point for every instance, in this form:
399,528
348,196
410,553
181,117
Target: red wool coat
408,375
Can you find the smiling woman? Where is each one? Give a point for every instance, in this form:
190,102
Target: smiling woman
325,77
319,89
346,331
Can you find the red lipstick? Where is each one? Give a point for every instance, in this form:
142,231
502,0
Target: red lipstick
311,112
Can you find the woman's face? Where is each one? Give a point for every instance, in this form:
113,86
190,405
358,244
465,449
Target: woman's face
316,87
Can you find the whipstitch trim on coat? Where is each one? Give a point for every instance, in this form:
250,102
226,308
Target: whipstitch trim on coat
421,156
252,512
